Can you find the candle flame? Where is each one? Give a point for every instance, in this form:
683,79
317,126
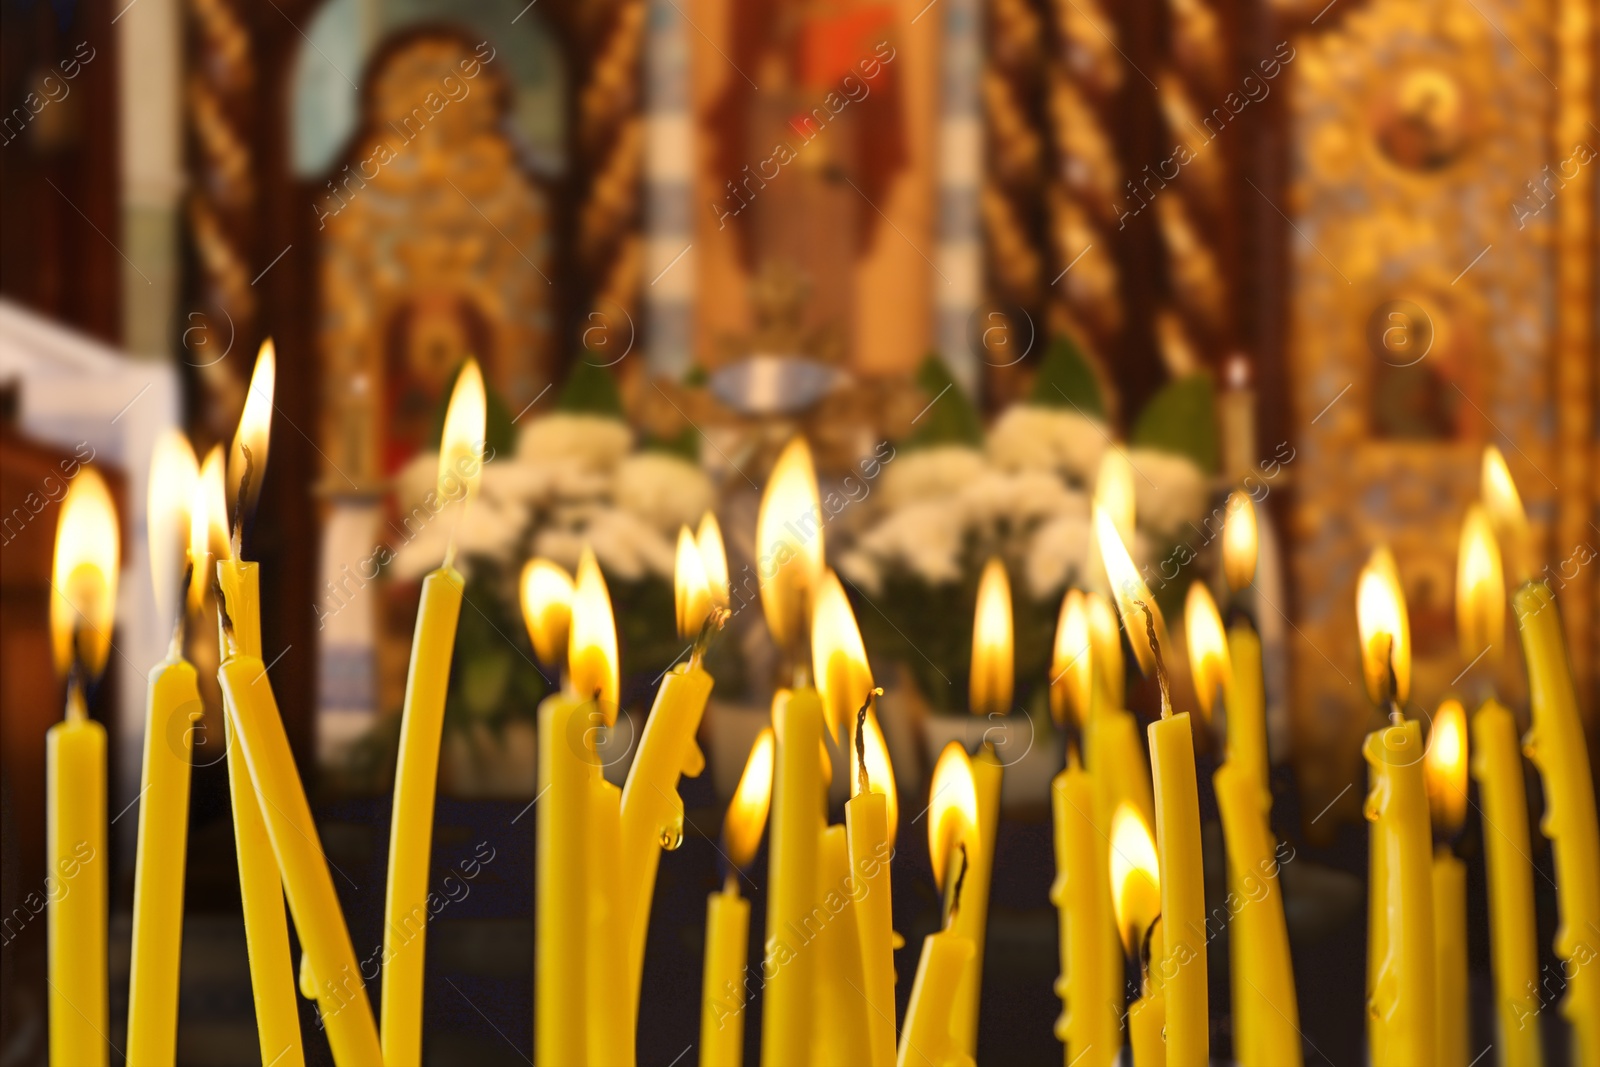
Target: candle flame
1506,513
255,429
592,668
1445,764
1113,490
789,545
1480,589
1240,539
1072,665
1129,590
952,810
992,670
1385,629
691,593
1106,638
83,578
213,489
838,659
747,811
1209,662
462,439
169,500
880,773
546,590
714,557
1135,876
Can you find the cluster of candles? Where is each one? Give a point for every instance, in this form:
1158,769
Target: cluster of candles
1126,824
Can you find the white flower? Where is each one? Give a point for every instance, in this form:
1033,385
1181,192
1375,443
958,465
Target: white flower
664,490
1016,499
1169,490
1057,551
1031,437
627,547
925,538
592,440
929,474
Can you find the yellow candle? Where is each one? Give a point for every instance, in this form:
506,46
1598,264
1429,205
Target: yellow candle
842,1010
608,933
927,1040
871,814
789,994
1513,946
405,901
1445,774
1172,768
1134,875
176,500
266,926
83,600
1091,966
1244,696
652,811
258,730
722,988
1557,747
724,993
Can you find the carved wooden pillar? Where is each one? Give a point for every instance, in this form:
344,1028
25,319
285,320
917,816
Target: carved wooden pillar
222,205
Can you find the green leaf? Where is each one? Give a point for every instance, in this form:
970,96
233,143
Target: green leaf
590,390
1067,381
686,445
950,418
1182,419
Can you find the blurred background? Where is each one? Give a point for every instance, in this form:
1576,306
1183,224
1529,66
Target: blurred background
1327,251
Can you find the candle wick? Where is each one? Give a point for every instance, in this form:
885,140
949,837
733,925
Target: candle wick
1161,667
77,682
730,884
175,650
864,785
237,533
222,613
710,627
1144,942
955,890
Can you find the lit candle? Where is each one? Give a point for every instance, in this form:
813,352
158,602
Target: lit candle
405,902
1177,804
1265,1011
789,548
1557,747
82,611
175,501
266,926
1496,764
1244,698
990,696
929,1037
1401,999
1135,881
652,811
871,816
723,992
1091,967
1445,773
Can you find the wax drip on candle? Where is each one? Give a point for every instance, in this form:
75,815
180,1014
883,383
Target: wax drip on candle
1161,667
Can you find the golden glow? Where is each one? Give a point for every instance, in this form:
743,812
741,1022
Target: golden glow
169,500
789,545
592,668
1127,587
1106,638
1135,876
1239,541
1480,589
1208,645
838,660
83,579
880,773
213,488
1113,490
1446,766
255,428
1506,513
747,811
952,810
1384,627
992,670
714,557
461,442
690,592
547,609
1072,664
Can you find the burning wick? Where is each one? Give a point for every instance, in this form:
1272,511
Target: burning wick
1161,667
